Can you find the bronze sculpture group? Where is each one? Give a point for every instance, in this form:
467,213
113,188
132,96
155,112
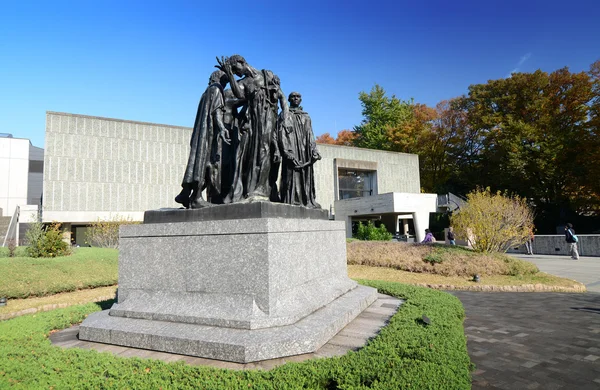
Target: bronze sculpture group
242,135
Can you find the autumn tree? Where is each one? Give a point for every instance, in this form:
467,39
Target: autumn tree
444,143
528,131
346,138
325,138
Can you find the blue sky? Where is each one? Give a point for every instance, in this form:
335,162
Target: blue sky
150,61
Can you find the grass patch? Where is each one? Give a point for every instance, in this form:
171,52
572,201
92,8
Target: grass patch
20,251
392,275
61,300
438,259
24,277
406,354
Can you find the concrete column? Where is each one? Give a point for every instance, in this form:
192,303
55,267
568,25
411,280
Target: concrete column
348,227
421,220
390,222
405,226
66,228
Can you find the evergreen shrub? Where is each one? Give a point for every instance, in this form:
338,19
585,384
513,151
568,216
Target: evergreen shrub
406,354
370,232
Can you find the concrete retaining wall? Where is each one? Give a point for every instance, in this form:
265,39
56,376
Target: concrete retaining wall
589,245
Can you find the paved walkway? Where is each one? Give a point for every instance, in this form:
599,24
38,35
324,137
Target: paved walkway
585,270
537,340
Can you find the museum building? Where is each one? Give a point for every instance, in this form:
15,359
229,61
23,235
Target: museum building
102,168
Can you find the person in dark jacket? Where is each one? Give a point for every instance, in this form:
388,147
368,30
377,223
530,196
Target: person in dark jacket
451,236
572,241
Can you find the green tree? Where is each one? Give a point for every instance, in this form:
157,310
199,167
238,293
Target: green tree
381,113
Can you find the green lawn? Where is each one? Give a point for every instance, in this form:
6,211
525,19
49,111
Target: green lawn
23,277
406,354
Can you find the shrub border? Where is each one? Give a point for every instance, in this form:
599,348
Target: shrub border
407,353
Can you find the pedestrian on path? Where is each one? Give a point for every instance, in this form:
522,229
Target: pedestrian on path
451,236
572,241
529,243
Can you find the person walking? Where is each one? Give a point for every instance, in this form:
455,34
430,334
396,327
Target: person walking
571,239
529,243
450,236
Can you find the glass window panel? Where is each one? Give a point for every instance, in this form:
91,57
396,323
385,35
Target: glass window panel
354,183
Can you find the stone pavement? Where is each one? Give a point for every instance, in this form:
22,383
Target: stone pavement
533,340
585,270
537,340
354,336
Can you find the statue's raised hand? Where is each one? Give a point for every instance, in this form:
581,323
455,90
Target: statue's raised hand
224,65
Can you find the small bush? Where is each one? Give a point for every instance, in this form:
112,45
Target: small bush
517,267
105,233
12,247
20,251
369,232
493,222
46,241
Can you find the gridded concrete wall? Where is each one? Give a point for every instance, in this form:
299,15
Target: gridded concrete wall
396,172
98,167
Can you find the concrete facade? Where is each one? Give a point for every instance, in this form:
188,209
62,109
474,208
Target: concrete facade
100,168
390,208
21,166
395,172
103,168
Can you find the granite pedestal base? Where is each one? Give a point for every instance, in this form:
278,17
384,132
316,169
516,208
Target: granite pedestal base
229,344
234,290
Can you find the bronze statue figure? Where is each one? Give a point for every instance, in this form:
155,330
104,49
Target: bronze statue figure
299,153
208,126
241,138
260,91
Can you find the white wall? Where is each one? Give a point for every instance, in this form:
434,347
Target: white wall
14,169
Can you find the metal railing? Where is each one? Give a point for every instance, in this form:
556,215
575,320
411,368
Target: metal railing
13,227
450,201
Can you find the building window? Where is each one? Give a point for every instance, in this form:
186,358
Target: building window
354,183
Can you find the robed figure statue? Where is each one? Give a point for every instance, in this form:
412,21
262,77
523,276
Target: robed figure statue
262,94
299,152
203,166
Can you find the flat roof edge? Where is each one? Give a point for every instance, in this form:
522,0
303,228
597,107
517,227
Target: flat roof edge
115,119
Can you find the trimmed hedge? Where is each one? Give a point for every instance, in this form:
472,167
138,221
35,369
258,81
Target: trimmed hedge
23,277
406,354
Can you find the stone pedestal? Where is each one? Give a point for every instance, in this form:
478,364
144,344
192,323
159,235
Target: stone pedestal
239,290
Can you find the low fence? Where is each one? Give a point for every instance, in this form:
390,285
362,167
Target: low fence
588,245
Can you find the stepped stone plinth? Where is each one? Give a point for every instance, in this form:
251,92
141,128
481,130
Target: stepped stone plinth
271,283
